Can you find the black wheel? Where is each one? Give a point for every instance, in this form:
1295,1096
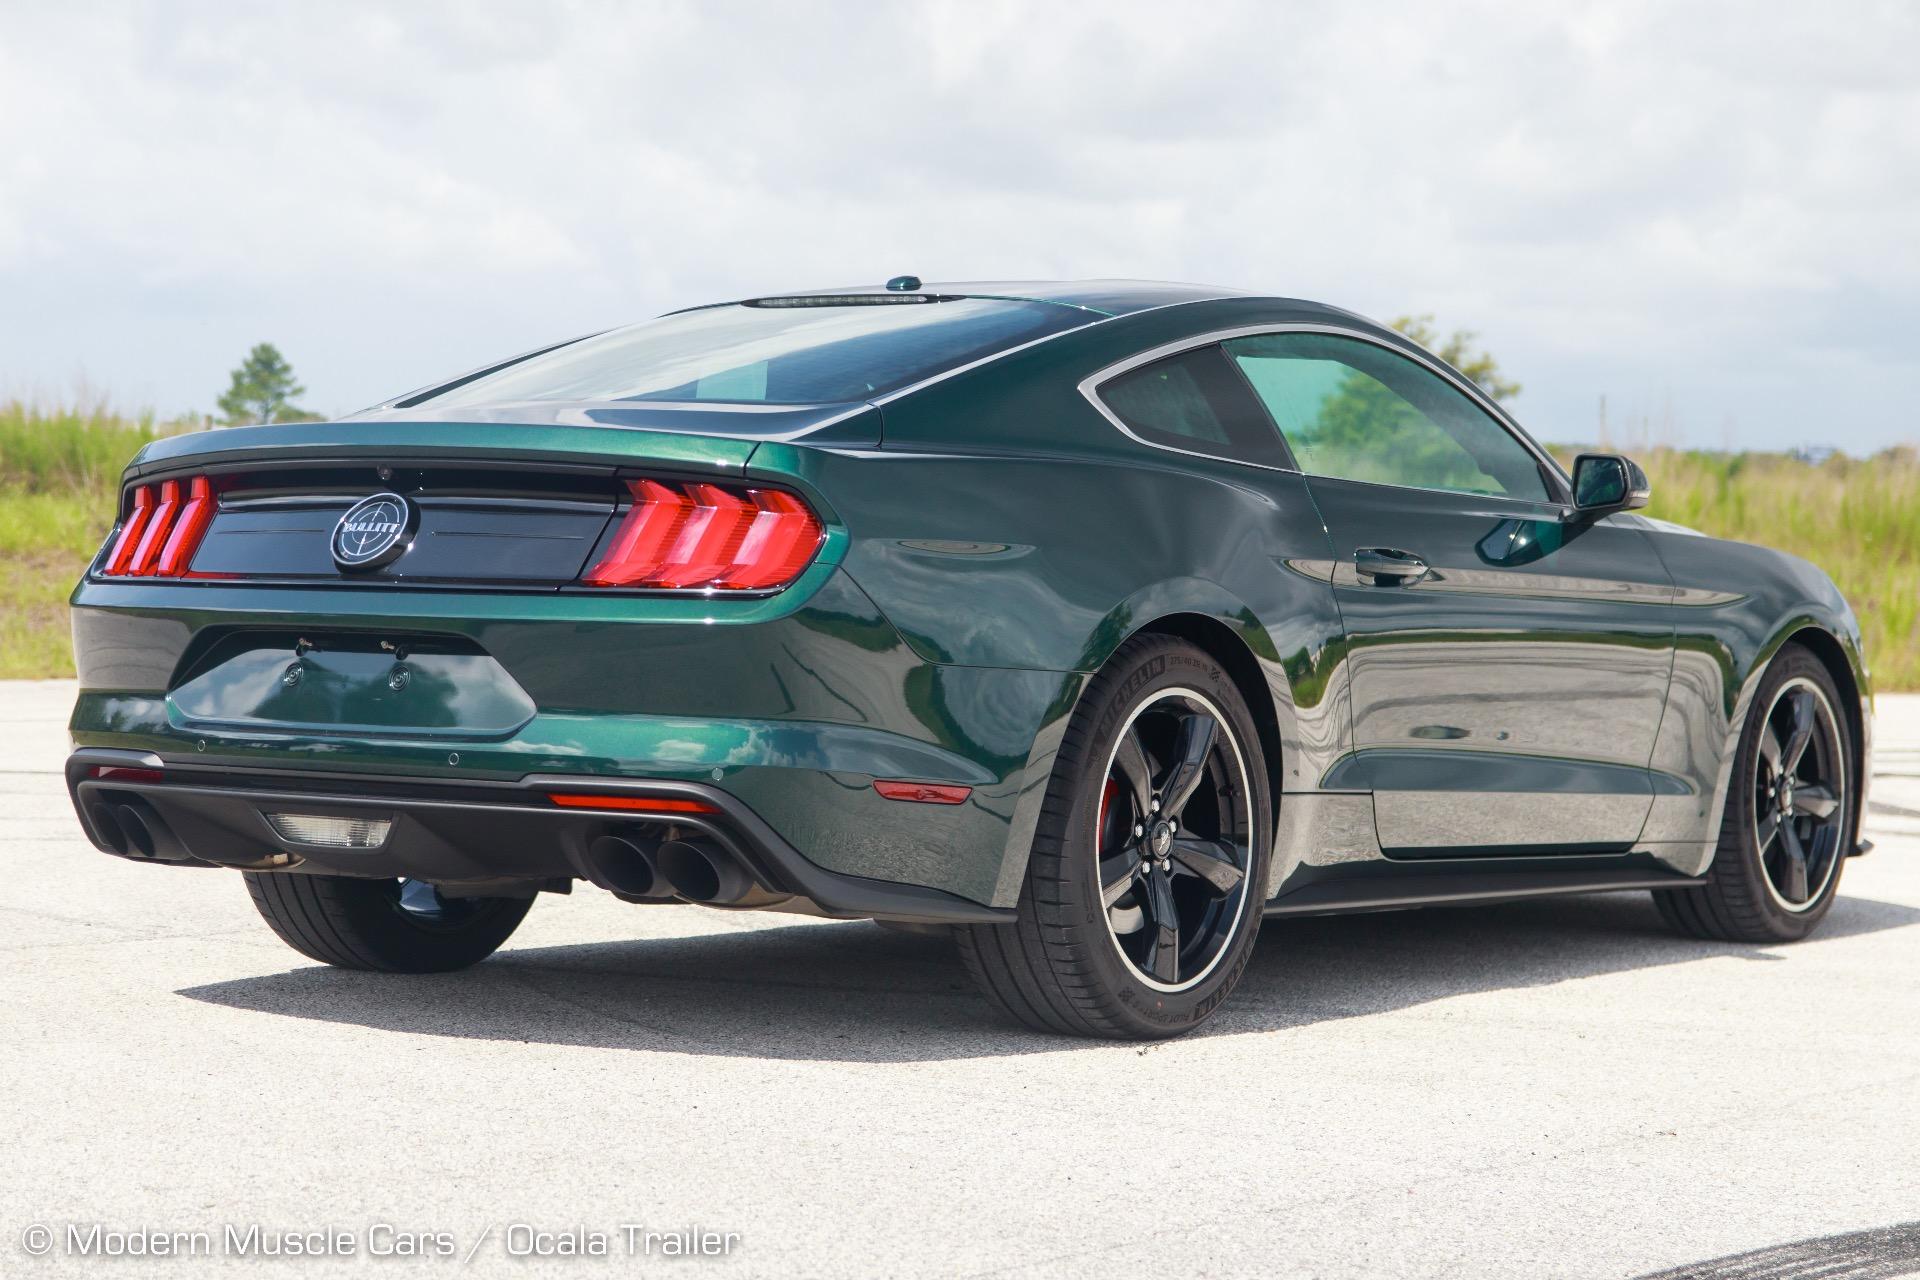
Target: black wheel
1143,893
1789,817
392,926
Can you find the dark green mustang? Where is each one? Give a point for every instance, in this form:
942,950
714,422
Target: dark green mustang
1091,622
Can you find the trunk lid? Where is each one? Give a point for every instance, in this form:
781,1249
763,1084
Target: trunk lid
518,505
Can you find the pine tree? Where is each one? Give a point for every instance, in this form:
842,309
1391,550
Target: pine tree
263,390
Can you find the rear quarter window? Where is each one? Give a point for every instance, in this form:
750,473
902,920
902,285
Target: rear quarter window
1195,401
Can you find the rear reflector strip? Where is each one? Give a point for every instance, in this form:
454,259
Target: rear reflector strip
922,792
718,537
649,804
162,530
123,773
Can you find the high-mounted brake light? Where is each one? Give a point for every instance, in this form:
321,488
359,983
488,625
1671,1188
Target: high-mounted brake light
843,300
714,536
162,530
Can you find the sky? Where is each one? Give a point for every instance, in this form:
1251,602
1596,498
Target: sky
1704,217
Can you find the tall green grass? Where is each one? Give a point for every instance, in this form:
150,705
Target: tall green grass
59,480
1859,519
61,450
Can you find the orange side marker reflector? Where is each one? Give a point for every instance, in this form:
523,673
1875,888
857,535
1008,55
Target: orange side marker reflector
922,792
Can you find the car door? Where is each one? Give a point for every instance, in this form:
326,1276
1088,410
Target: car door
1508,664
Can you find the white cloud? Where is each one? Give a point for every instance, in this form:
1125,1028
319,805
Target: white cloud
1706,211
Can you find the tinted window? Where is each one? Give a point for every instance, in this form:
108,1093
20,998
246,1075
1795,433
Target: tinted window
1194,401
757,353
1355,411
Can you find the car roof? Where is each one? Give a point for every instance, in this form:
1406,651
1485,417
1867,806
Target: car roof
1100,299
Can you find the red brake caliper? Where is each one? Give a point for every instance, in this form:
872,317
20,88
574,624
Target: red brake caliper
1106,801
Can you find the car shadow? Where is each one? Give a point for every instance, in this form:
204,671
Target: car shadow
854,992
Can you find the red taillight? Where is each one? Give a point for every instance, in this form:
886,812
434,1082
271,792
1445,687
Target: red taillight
651,804
779,544
188,529
708,535
131,530
163,530
147,554
655,520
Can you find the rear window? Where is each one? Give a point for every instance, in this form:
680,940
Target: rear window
792,351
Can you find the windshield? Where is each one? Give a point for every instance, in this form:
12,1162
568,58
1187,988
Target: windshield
791,351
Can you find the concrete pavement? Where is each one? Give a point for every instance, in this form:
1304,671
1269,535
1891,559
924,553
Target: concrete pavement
1541,1089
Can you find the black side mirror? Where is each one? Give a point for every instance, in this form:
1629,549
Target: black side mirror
1607,482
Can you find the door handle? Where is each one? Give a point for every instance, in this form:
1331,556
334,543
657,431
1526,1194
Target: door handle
1389,567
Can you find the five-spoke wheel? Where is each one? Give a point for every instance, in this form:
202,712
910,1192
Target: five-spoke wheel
1172,833
1799,785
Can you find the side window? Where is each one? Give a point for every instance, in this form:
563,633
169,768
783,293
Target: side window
1196,402
1354,411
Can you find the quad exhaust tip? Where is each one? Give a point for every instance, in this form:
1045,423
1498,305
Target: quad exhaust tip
623,865
135,829
701,871
640,868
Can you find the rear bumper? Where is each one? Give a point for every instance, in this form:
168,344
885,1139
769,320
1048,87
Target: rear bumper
791,705
483,834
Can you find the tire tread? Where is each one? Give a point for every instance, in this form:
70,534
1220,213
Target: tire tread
338,921
1733,905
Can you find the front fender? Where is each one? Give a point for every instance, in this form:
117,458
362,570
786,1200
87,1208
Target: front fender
1737,606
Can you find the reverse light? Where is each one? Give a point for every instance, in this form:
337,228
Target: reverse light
701,535
162,530
330,831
